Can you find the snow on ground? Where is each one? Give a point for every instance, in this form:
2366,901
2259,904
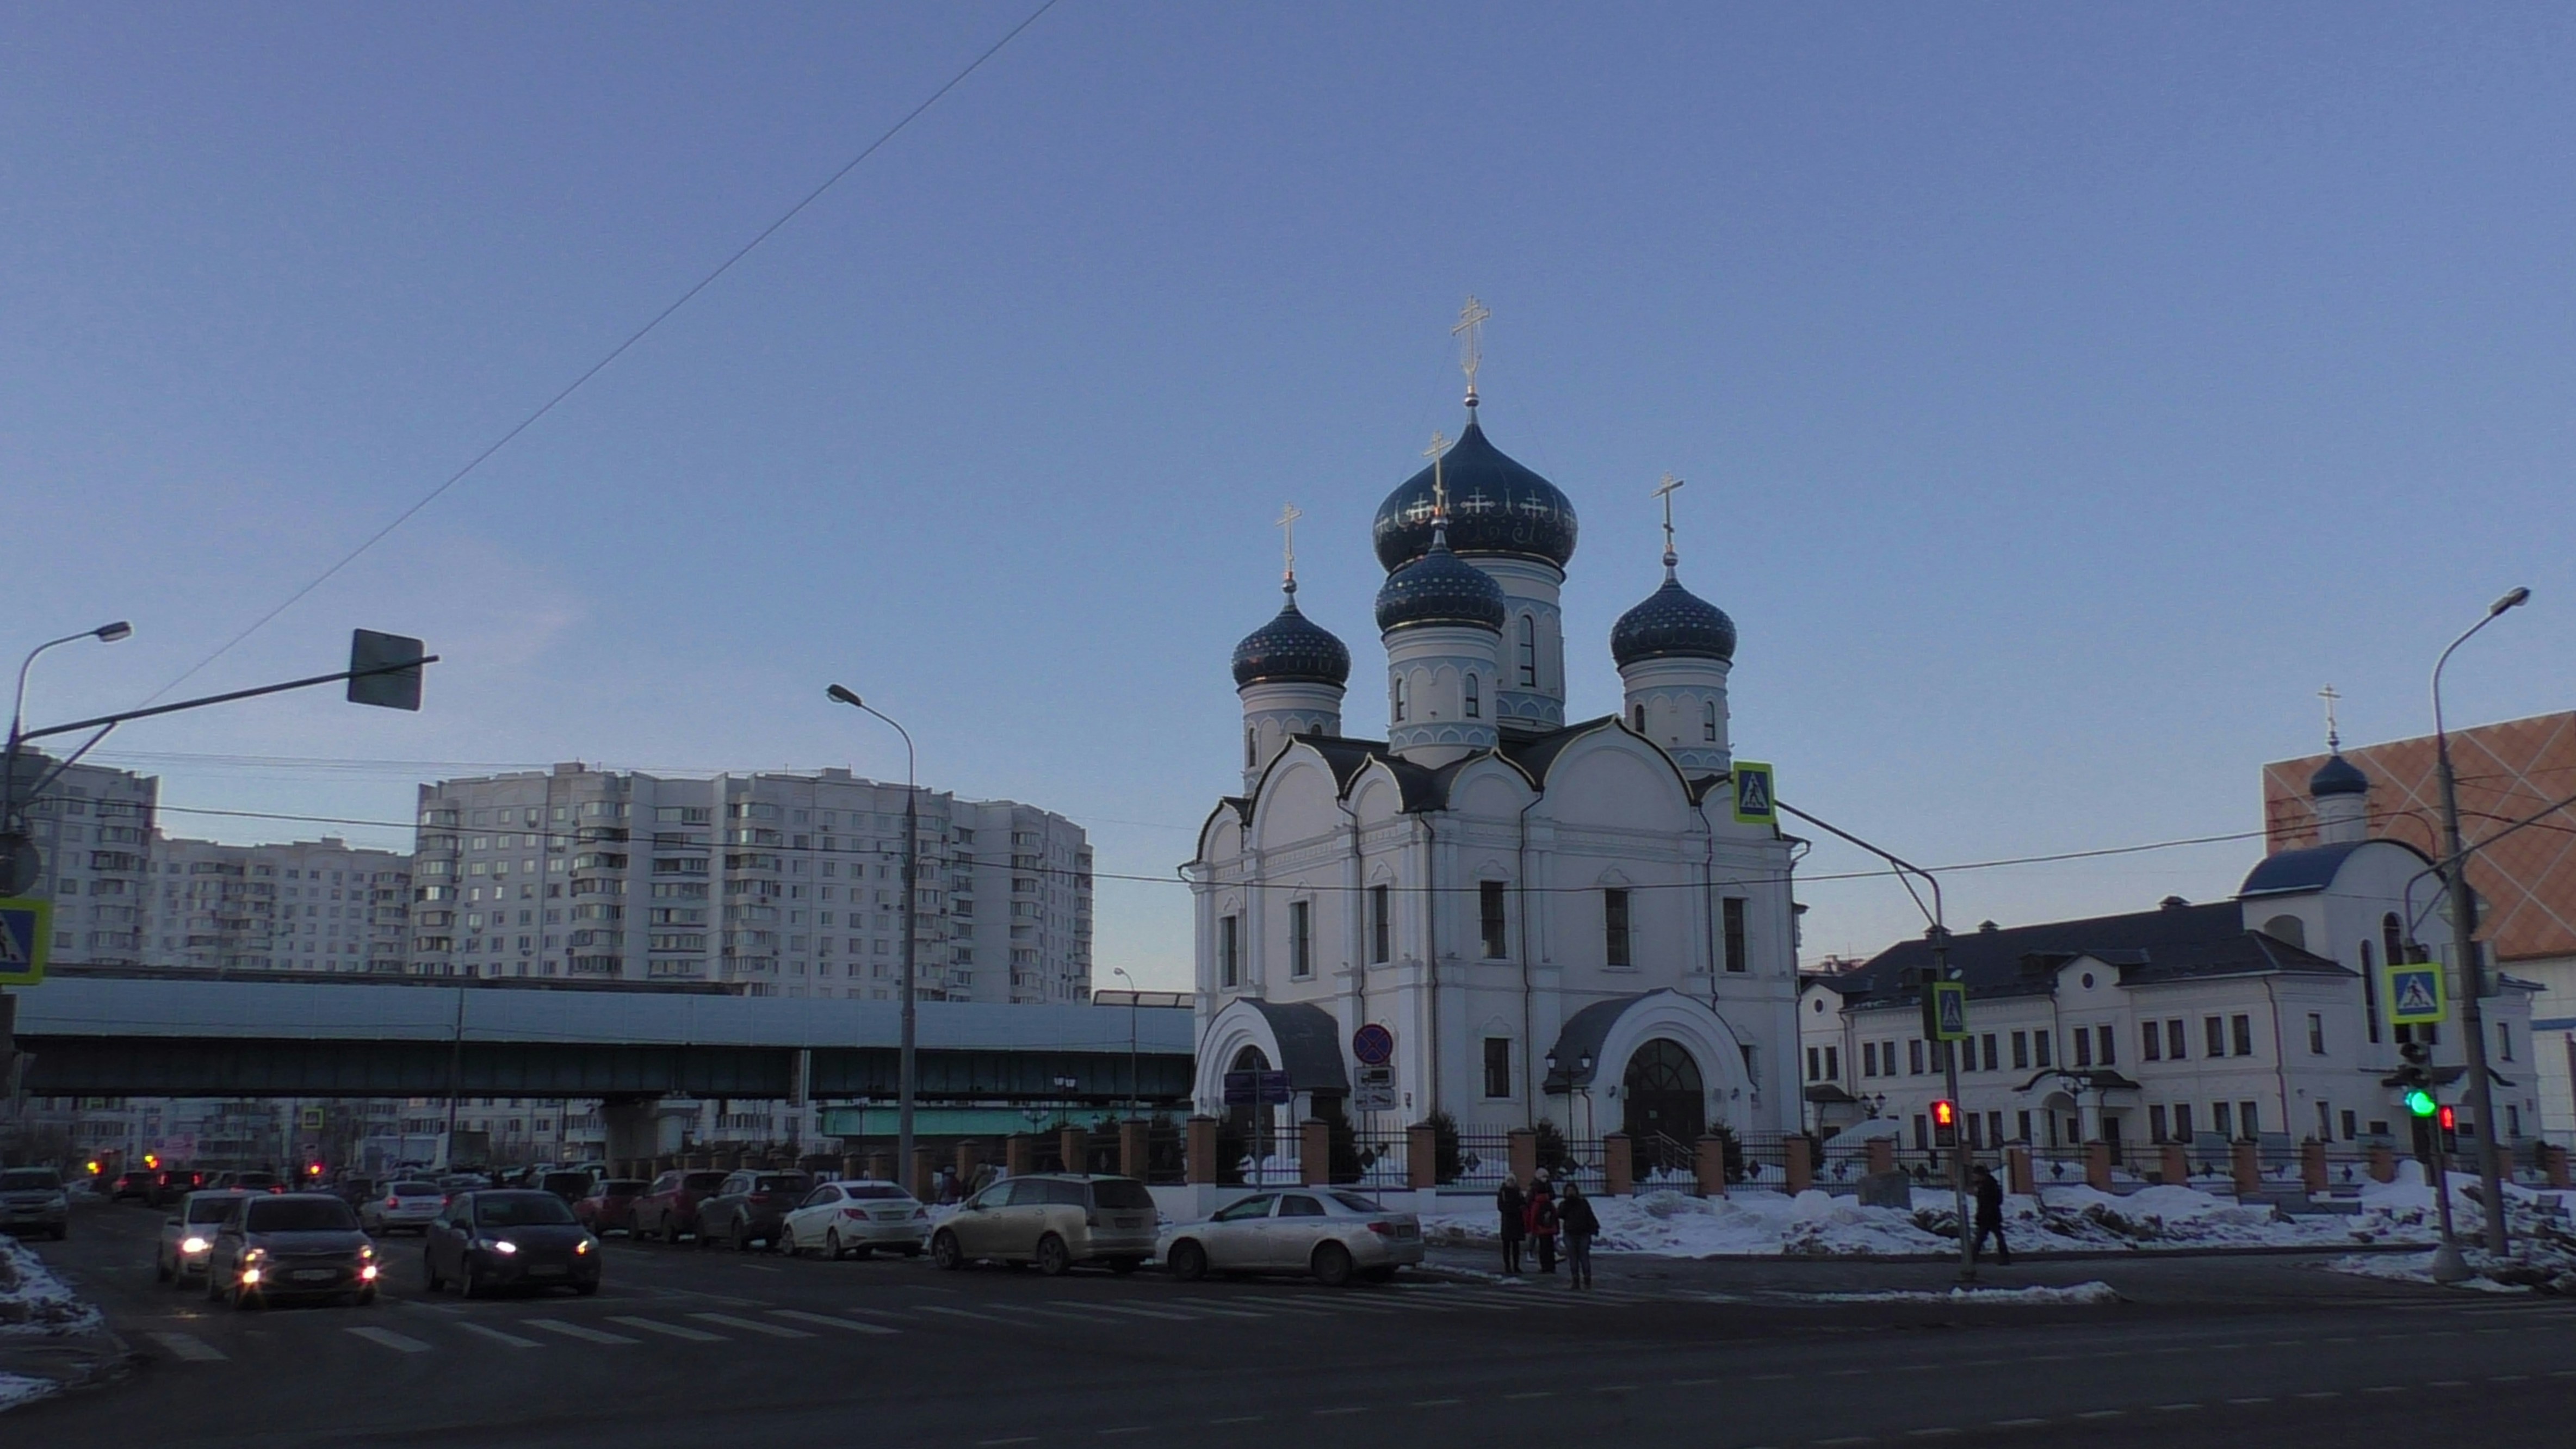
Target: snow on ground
36,1304
2092,1292
18,1390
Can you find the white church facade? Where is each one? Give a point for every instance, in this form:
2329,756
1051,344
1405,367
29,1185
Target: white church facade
1551,921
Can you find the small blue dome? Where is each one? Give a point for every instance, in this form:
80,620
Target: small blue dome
1440,588
1495,506
2338,776
1673,623
1291,649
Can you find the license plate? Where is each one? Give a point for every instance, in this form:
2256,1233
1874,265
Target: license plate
546,1270
1408,1230
315,1275
892,1215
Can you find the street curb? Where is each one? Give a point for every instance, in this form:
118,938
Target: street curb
2076,1255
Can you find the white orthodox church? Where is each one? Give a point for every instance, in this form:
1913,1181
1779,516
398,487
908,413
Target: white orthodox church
1555,921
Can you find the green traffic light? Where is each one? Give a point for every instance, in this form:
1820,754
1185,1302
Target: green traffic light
2420,1102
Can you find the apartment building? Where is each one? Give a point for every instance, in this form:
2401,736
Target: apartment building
311,905
93,827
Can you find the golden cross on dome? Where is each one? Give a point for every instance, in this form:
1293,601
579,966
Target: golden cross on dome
1286,523
2334,740
1665,491
1470,333
1439,488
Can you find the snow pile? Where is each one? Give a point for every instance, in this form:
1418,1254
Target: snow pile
2096,1291
17,1390
36,1304
2543,1256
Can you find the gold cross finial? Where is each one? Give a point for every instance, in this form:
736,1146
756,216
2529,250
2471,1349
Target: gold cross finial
1439,488
1470,333
2334,740
1665,491
1286,523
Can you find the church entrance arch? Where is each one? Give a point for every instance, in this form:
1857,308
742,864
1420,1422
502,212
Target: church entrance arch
1250,1130
1665,1106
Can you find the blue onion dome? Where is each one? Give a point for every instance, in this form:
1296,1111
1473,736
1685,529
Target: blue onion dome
1291,649
2338,776
1673,623
1495,506
1440,588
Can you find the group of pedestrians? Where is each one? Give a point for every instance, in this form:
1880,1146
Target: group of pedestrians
1535,1215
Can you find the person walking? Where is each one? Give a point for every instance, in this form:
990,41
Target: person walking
1509,1205
1581,1225
1543,1221
1990,1217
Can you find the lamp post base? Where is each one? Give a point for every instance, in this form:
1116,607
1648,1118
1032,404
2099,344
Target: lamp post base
2448,1266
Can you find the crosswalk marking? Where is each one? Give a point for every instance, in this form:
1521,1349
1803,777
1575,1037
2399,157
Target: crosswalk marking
1146,1312
945,1312
497,1336
667,1330
581,1331
751,1325
1081,1315
828,1321
398,1342
191,1348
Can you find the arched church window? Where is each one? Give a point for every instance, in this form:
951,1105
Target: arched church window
2369,993
1708,721
1250,748
1529,652
2392,938
1637,719
1475,705
1398,706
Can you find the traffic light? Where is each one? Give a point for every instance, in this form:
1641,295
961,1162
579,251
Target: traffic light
313,1169
1945,1123
152,1159
2420,1102
93,1167
2450,1125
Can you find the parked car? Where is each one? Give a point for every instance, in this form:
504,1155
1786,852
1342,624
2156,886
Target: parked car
747,1207
290,1245
402,1205
170,1184
669,1208
136,1184
1054,1221
570,1186
188,1235
32,1201
609,1207
1331,1234
510,1237
247,1182
842,1218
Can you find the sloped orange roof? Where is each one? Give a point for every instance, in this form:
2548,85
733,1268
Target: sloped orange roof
2507,772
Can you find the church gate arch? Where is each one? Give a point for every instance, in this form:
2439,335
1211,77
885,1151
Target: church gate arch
1663,1106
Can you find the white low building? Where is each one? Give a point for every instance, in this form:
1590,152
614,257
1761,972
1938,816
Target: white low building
2247,1019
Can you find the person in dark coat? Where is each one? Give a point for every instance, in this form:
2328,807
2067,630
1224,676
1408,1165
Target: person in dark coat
1512,1208
1581,1225
1542,1217
1990,1217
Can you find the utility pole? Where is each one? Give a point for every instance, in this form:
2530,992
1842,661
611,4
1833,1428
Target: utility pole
906,1081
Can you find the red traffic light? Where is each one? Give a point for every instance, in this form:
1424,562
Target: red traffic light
1945,1113
2450,1118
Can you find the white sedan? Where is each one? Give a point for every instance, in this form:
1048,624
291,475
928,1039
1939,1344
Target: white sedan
841,1218
1329,1232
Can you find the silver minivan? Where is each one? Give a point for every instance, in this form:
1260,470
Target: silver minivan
1053,1220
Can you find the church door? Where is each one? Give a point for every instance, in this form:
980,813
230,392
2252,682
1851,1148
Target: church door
1249,1133
1666,1106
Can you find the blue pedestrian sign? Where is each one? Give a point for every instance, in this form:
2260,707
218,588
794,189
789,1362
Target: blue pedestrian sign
26,934
1755,804
2415,996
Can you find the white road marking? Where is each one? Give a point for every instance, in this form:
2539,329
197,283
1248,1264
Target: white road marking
957,1313
751,1325
399,1342
582,1331
668,1330
190,1347
497,1336
1147,1312
828,1321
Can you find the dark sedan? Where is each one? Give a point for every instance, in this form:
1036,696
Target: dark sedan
290,1245
510,1238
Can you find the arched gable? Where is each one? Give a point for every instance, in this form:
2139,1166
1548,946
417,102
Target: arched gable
1612,778
1299,799
1487,787
1376,797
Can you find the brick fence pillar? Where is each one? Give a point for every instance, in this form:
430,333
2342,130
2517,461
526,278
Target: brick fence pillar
1523,1155
1882,1154
921,1185
2312,1167
2097,1166
881,1166
1801,1151
1314,1152
2245,1166
2176,1164
1711,1163
1133,1146
970,1155
2017,1173
1422,1157
2383,1162
1618,1165
2553,1164
853,1167
1074,1145
1198,1150
1019,1154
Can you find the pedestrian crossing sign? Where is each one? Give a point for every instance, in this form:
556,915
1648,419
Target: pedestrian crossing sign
1755,804
2415,996
26,932
1945,1010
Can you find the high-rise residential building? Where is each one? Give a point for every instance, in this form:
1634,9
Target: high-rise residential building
312,905
93,827
790,884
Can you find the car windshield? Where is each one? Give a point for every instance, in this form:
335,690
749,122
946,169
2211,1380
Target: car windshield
874,1191
1121,1194
520,1210
301,1215
621,1187
30,1179
567,1182
796,1183
1356,1203
255,1179
210,1209
413,1189
702,1181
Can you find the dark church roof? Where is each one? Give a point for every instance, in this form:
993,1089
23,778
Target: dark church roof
1291,648
2338,776
1495,506
1440,588
1310,1044
1673,623
2173,943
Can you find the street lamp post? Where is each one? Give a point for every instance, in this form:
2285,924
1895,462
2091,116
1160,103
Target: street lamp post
1135,1089
905,1080
2464,946
105,634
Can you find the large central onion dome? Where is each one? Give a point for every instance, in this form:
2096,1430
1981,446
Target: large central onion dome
2338,776
1291,649
1673,623
1495,506
1440,588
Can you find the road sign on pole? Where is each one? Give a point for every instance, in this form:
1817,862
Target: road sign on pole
2415,995
1373,1045
26,939
1756,802
1945,1010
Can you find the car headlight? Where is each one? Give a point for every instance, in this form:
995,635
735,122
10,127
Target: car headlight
367,1273
368,1251
503,1246
194,1245
584,1245
250,1275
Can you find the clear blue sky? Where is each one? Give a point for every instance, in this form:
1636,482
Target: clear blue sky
2065,392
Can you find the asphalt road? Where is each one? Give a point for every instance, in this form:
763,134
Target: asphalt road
684,1347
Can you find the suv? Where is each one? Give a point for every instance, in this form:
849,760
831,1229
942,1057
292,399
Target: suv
570,1186
670,1207
32,1201
136,1184
293,1245
173,1183
1055,1221
748,1207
